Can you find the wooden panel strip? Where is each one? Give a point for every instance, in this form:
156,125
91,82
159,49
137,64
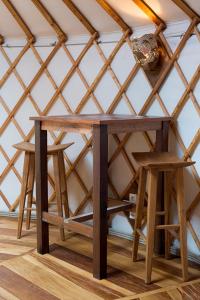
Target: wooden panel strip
19,20
116,276
20,287
150,13
60,33
83,281
114,15
74,9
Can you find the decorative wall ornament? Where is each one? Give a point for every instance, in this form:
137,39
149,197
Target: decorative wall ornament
150,53
147,51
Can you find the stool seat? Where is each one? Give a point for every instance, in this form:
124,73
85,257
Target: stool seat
29,147
159,160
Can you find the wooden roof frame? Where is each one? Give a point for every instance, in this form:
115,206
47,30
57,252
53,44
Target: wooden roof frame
29,35
150,13
114,15
52,22
79,15
187,9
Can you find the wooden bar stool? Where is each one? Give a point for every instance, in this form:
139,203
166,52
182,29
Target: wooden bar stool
28,182
151,163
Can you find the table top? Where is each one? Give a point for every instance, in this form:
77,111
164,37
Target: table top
100,119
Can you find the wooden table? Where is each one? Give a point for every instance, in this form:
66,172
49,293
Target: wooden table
100,125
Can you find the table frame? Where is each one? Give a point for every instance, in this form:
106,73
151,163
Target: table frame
100,176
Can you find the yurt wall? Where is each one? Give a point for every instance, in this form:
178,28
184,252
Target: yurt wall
47,67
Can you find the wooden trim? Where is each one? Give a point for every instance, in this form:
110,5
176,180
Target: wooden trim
20,21
114,15
60,33
187,9
79,15
150,13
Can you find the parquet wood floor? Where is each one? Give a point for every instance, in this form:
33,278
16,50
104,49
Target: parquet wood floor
66,273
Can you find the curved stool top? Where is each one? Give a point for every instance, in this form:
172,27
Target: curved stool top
159,160
29,147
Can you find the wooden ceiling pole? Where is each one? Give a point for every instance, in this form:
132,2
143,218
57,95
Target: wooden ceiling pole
60,34
114,15
187,9
84,21
150,13
20,21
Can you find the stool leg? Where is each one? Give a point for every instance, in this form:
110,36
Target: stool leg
22,200
30,189
167,202
182,221
57,179
63,184
151,215
139,210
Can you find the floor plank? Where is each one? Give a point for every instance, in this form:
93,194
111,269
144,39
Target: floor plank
66,272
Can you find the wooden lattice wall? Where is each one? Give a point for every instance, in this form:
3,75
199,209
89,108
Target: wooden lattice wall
120,149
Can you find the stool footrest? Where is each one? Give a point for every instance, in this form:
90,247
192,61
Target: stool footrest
68,224
168,227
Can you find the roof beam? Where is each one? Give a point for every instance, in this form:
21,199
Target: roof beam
78,14
19,20
1,39
52,22
187,9
114,15
150,13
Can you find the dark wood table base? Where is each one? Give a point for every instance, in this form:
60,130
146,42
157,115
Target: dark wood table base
100,126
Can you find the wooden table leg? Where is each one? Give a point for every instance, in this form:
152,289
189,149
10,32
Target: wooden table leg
161,146
41,188
100,196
